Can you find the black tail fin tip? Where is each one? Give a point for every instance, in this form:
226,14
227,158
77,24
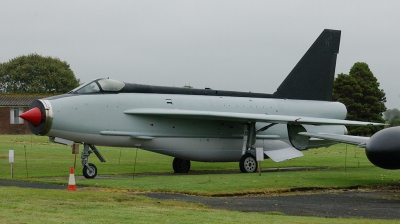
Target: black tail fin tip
312,77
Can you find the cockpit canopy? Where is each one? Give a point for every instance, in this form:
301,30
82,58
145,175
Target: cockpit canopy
110,86
100,85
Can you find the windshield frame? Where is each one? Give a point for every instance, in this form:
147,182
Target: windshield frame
99,86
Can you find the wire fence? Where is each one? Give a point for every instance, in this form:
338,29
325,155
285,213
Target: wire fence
53,160
44,160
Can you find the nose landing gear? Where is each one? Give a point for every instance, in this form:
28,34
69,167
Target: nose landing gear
89,169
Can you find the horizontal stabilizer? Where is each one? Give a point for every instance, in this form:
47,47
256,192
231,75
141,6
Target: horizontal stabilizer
349,139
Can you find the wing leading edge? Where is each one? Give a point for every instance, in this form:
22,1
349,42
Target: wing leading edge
244,117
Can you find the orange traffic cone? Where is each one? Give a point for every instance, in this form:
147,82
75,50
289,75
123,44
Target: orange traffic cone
71,182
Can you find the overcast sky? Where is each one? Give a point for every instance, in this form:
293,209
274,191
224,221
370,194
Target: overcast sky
226,45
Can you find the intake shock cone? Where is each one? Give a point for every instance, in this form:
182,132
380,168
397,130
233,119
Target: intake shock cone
33,116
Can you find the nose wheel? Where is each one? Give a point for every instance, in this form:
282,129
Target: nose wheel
89,169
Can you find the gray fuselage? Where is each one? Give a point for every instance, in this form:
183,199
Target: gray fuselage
99,119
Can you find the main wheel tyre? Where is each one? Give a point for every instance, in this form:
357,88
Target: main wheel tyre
91,172
181,165
248,163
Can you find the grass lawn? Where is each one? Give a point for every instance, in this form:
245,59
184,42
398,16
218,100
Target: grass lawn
38,160
35,157
54,206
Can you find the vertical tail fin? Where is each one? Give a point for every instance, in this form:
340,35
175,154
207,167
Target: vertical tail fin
312,77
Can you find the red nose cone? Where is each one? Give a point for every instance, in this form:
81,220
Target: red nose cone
33,116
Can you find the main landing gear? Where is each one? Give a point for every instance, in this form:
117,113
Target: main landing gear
90,170
248,162
181,165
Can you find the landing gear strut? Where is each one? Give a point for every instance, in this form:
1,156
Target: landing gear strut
248,163
90,170
181,165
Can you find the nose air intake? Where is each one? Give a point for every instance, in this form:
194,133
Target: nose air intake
33,116
40,117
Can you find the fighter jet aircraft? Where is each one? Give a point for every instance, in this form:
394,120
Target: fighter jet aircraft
208,125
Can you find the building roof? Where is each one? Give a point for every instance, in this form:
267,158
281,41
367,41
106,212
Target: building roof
7,100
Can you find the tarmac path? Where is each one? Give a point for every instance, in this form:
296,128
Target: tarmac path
374,204
348,204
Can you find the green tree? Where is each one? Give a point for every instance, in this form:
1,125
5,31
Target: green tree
359,91
394,122
36,74
392,116
389,114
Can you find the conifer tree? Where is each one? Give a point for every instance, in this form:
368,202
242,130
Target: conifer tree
359,91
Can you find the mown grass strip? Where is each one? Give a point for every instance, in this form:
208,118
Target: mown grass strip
44,159
57,206
108,199
50,163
